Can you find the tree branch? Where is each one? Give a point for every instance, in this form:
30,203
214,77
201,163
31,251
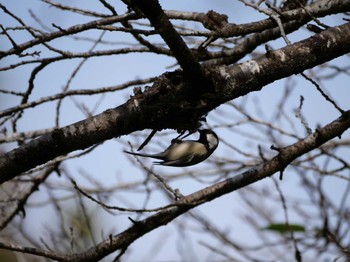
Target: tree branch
188,62
69,31
285,156
166,104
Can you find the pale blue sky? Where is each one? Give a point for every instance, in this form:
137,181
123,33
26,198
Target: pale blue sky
109,160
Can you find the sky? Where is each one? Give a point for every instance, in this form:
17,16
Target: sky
108,159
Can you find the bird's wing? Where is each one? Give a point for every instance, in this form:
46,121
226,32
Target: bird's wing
184,150
184,154
178,162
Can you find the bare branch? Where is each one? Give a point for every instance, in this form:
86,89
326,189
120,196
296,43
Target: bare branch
231,83
125,238
192,69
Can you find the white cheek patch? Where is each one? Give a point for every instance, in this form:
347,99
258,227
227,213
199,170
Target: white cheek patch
212,141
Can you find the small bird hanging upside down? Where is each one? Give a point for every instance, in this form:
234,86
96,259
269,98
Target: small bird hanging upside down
186,152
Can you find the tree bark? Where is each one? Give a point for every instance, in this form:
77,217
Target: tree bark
167,103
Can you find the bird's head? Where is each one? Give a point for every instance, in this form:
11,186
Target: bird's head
209,138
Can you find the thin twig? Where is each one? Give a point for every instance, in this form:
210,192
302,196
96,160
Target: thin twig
323,93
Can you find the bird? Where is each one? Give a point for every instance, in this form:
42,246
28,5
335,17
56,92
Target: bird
182,153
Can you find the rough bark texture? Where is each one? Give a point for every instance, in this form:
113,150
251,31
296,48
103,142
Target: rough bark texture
167,104
139,228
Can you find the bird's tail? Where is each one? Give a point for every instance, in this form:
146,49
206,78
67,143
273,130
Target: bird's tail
143,155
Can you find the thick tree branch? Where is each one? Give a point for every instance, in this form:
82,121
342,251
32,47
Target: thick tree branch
266,30
188,62
166,104
320,8
277,164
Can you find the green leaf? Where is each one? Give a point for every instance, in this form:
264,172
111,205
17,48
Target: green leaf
284,228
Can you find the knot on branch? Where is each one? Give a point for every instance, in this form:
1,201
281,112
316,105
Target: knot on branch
138,224
282,163
214,21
